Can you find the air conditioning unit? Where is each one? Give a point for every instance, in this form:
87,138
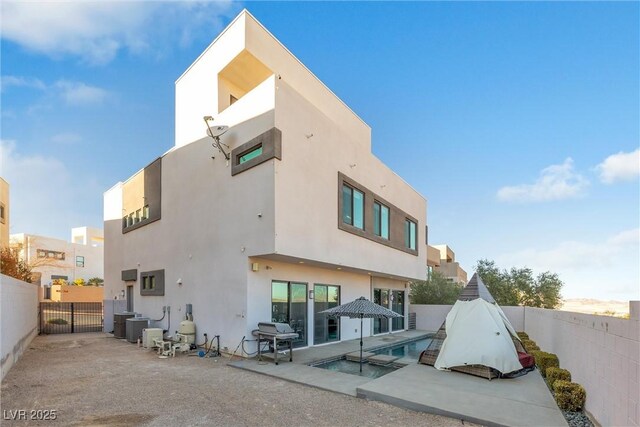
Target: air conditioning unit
134,328
150,334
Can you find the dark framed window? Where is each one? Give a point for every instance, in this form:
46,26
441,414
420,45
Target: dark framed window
79,261
2,212
42,253
381,220
410,234
289,305
352,206
248,155
152,283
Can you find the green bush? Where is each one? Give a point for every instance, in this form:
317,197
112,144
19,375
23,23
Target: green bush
57,321
557,374
530,345
545,360
569,396
523,335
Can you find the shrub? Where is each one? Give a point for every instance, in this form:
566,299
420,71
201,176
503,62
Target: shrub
557,374
546,360
523,335
57,321
569,396
530,345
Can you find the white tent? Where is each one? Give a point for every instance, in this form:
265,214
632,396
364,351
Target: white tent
478,333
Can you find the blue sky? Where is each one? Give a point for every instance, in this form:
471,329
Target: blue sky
518,121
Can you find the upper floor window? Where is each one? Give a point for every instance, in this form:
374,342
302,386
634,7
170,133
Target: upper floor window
352,206
79,261
2,213
254,152
381,220
43,253
410,234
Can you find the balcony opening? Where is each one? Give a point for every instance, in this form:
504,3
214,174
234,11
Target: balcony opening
239,77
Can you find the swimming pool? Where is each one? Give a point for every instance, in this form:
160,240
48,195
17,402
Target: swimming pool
353,368
411,349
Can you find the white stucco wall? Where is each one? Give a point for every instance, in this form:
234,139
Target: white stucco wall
18,319
601,352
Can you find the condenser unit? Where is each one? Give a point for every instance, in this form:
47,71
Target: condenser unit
150,334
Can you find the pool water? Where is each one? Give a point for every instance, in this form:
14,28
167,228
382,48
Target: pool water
412,349
353,368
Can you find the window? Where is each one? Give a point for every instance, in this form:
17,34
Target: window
145,212
79,261
352,206
152,283
2,212
380,220
254,152
289,305
138,212
410,234
43,253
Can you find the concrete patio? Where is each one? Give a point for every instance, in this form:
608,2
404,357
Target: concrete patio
524,401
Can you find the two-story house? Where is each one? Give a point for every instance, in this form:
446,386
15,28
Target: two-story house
287,213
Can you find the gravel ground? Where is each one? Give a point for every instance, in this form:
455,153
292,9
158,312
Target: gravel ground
577,419
93,379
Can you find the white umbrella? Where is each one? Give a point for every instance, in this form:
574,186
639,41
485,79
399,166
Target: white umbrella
361,308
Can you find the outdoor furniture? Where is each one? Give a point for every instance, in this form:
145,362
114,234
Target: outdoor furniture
277,334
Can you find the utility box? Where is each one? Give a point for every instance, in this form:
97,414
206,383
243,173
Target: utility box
120,325
135,326
150,334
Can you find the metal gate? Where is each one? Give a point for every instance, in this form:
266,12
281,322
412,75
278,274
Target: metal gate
70,317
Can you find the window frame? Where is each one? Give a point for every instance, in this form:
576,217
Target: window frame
378,222
352,206
80,259
410,240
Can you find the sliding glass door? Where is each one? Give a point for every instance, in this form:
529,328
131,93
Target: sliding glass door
289,305
381,297
326,329
397,305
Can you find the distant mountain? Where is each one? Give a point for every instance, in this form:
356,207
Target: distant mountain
595,306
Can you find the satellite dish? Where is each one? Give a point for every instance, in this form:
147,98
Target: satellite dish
217,131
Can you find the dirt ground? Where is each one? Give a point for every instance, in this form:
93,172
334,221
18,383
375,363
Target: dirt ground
93,379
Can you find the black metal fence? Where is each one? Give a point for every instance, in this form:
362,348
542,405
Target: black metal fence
70,317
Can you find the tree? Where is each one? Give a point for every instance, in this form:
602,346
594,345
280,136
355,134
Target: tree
12,265
95,281
436,290
519,287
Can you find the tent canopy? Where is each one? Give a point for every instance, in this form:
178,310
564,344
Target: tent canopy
477,335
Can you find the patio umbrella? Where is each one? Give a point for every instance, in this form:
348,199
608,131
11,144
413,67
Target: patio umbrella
361,308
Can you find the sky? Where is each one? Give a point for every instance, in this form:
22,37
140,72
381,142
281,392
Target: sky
519,122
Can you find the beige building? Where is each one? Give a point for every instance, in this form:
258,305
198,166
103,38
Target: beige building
4,213
442,259
284,214
51,259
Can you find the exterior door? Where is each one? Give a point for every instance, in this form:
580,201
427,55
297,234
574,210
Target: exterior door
381,297
130,299
289,305
397,305
326,329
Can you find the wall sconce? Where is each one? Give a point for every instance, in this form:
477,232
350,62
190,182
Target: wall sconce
255,266
122,294
311,294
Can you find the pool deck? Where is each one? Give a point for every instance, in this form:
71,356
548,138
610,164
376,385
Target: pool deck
524,401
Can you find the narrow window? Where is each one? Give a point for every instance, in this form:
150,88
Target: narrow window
138,212
79,261
410,234
380,220
145,212
2,212
152,282
253,153
352,207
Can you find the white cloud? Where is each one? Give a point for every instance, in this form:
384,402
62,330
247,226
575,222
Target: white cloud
97,31
604,270
46,198
78,93
620,167
556,182
29,82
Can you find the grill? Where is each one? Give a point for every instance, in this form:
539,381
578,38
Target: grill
278,335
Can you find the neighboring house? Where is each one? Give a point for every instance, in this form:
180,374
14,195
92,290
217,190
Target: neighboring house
300,217
446,263
51,259
4,213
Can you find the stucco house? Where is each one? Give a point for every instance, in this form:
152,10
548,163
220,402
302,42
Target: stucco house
286,214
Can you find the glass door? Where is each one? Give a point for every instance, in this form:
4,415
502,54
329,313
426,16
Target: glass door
326,329
397,305
289,305
381,297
